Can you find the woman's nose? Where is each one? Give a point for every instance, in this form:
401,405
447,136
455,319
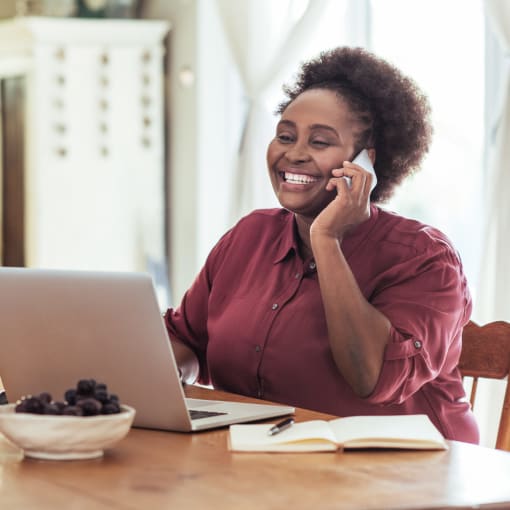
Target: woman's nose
297,154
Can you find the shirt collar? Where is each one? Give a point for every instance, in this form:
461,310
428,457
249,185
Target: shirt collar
288,237
288,240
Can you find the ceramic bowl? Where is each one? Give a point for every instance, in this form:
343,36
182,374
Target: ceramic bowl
64,437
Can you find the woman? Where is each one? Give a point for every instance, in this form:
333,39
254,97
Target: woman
332,303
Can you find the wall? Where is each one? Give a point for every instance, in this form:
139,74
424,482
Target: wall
182,127
200,78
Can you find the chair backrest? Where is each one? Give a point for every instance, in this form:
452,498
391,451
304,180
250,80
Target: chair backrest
486,354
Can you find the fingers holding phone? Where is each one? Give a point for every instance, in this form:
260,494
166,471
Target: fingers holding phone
361,160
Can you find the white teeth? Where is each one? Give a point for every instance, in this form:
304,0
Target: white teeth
298,178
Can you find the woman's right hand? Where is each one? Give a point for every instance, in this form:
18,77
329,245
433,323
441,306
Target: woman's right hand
351,205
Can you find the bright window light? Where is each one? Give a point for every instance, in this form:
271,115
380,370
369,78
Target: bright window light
441,46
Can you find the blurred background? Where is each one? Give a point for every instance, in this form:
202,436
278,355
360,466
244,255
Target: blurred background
134,132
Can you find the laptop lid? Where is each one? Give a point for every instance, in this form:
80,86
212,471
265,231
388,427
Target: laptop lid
59,326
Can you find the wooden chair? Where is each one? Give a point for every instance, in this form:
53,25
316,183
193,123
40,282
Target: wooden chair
486,354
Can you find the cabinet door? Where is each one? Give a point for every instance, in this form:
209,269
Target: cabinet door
97,178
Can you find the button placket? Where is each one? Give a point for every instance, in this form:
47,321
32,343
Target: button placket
297,273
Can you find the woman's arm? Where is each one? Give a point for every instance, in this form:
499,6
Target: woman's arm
388,348
358,332
187,325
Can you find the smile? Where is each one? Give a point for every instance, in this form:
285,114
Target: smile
298,178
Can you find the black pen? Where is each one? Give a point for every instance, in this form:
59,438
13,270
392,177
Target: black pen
276,429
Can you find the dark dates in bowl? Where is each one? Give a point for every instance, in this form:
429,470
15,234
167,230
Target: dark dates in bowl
80,426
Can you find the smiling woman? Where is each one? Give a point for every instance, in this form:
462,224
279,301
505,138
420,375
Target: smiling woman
345,308
313,137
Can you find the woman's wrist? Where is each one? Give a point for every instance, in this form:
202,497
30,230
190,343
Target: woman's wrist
323,239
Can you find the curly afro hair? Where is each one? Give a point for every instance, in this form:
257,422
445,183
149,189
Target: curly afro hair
393,112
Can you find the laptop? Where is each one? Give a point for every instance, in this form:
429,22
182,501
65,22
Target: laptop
60,326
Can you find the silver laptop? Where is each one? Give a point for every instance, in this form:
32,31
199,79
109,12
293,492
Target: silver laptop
59,326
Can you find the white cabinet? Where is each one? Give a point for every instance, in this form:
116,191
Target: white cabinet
95,185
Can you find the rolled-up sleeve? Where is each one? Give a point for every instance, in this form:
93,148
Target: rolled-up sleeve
427,301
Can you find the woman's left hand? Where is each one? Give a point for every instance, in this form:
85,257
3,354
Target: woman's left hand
351,205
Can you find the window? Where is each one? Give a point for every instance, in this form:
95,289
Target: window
447,62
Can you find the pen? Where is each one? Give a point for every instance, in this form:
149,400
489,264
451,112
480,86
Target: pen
276,429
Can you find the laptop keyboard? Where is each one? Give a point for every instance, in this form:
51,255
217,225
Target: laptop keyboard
195,414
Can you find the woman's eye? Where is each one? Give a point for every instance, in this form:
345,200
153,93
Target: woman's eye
284,138
320,143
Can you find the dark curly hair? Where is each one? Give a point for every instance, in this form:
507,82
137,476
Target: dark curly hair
394,113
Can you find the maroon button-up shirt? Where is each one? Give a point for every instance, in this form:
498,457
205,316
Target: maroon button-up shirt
255,320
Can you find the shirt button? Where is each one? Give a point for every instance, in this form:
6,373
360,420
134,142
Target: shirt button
297,275
312,265
417,344
274,306
257,348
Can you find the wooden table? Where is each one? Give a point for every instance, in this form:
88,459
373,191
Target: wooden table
152,470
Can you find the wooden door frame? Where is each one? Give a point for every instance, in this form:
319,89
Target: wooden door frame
12,132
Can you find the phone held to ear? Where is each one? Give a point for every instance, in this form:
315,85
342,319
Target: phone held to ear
363,160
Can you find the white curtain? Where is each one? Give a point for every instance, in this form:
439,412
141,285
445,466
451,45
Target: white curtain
266,42
493,300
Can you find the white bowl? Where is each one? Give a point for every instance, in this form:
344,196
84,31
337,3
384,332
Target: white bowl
64,437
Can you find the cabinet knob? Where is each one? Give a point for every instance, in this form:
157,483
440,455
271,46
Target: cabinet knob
60,54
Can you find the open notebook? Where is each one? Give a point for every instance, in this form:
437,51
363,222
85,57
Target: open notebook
61,326
414,431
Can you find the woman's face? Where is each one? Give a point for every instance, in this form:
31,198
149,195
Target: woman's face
315,135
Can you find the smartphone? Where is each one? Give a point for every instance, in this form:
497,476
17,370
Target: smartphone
363,160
